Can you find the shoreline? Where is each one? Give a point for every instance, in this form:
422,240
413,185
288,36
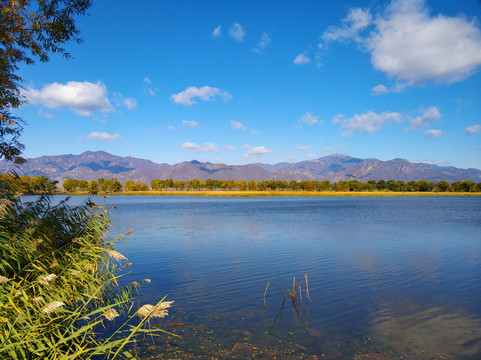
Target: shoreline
257,194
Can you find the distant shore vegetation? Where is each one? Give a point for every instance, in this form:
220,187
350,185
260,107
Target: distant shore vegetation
38,184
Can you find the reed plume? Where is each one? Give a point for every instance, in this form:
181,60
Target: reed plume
160,310
111,314
51,307
116,255
45,279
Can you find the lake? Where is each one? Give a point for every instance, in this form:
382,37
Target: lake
398,277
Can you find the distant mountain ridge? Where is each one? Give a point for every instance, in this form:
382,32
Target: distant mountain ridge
92,165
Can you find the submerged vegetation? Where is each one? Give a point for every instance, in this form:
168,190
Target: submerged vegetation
59,282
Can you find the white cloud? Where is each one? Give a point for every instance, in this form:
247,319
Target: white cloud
312,156
45,114
236,32
207,147
304,148
430,114
326,149
130,103
302,59
433,133
308,119
256,150
230,147
473,130
150,90
292,158
217,33
171,127
356,21
409,44
381,89
205,93
96,135
369,122
431,162
237,125
84,98
189,123
265,40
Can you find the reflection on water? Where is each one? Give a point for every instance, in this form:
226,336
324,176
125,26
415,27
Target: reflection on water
431,331
388,277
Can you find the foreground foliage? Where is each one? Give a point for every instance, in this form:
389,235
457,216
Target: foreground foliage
59,284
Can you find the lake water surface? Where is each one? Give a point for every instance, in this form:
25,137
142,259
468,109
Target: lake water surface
400,276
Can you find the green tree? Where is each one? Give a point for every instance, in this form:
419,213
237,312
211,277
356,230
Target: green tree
323,185
196,184
381,185
156,185
129,185
442,186
103,184
92,187
261,185
252,185
271,184
83,185
282,184
293,185
466,185
369,186
29,31
114,185
354,185
426,186
242,185
412,186
477,187
308,185
70,184
179,185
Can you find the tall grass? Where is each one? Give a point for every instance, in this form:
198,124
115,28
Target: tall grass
59,282
293,193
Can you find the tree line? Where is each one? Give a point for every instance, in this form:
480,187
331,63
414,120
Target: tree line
39,184
281,185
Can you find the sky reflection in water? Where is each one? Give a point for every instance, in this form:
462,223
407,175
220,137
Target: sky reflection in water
394,275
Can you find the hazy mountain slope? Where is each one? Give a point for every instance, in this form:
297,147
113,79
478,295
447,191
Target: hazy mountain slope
99,164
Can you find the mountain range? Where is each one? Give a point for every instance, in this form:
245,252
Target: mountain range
335,167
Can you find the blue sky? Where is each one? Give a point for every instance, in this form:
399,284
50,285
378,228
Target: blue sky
264,81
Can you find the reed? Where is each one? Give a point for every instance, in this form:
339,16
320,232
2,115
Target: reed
292,293
296,288
60,282
289,193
